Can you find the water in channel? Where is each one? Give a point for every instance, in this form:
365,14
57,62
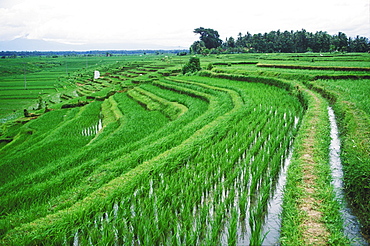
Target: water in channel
271,228
272,222
351,224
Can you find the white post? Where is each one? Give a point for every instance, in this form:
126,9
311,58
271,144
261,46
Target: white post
96,75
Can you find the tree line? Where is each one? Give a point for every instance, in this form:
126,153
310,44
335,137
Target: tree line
277,41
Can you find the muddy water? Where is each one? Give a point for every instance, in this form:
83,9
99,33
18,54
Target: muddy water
351,224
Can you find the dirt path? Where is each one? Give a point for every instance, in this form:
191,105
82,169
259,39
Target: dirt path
314,230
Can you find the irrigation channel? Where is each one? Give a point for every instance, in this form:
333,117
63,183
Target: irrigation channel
10,117
351,224
92,130
272,224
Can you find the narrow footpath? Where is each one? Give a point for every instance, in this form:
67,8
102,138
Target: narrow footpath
309,216
314,230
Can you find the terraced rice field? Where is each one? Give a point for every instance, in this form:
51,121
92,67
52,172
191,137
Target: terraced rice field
146,156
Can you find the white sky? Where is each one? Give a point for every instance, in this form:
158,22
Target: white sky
171,22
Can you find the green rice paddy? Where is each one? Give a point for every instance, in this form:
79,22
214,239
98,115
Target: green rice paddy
146,156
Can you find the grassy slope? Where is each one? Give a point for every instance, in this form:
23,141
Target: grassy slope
44,76
294,221
351,103
219,104
350,98
310,212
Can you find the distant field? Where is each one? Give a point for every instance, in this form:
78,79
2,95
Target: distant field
147,155
24,80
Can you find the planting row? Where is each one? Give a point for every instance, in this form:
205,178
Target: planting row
116,140
216,192
287,72
213,133
366,69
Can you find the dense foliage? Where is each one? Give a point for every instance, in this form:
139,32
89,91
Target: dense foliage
209,37
285,42
192,66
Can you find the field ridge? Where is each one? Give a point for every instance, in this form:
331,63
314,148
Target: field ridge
146,155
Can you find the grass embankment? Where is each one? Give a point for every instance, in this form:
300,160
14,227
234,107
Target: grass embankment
351,104
284,72
366,69
172,110
310,212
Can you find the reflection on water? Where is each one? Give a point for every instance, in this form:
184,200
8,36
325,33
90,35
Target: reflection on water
351,224
273,220
11,117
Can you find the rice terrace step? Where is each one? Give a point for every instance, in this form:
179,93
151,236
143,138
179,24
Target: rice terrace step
145,155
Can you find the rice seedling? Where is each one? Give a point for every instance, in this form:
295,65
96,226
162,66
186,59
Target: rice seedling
196,165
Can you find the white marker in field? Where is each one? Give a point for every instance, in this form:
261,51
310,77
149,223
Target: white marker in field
96,74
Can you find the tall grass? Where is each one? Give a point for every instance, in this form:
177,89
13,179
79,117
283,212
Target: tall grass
178,174
351,105
197,168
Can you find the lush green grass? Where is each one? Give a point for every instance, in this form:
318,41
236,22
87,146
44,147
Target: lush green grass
141,155
50,176
354,91
286,73
351,103
308,171
307,59
24,80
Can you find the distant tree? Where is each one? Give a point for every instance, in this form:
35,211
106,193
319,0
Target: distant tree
300,41
332,48
210,37
276,41
240,43
321,42
359,44
197,47
230,43
258,42
206,51
192,66
243,42
287,42
340,41
182,53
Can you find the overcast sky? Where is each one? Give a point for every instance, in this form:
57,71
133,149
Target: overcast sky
171,22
